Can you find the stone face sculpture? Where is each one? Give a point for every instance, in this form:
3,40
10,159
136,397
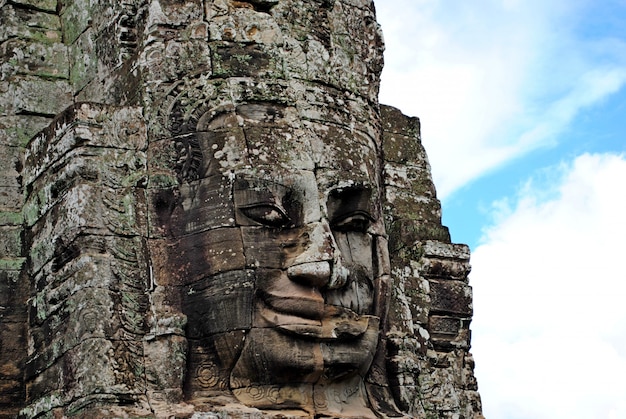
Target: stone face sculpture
289,314
204,228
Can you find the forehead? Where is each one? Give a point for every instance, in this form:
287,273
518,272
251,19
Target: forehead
273,141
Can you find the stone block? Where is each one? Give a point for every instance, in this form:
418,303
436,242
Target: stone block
117,265
165,366
273,248
83,61
11,198
395,122
176,13
414,181
116,33
125,211
267,347
244,26
411,212
162,156
356,49
11,218
348,112
469,380
402,140
443,327
402,149
160,204
11,396
11,291
12,335
452,298
410,302
10,241
114,136
448,334
29,23
445,250
210,362
98,370
69,228
25,57
59,325
433,267
47,5
223,303
11,161
54,186
207,204
18,130
76,17
405,234
12,264
36,95
355,155
234,60
168,61
197,256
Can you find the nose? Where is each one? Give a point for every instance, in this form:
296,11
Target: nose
320,265
316,274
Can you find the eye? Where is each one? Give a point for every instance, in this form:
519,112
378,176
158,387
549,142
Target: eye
267,214
358,222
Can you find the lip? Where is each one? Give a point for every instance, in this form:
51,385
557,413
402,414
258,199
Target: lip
335,323
310,307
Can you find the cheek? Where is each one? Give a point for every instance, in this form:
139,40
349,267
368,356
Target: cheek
356,251
219,303
273,248
356,254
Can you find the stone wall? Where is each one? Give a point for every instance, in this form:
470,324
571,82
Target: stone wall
429,337
34,87
92,92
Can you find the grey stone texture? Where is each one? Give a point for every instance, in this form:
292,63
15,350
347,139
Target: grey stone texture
205,213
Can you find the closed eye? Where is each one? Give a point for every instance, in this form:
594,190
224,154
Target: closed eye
356,221
267,214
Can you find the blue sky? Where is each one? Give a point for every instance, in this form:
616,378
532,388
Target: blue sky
523,107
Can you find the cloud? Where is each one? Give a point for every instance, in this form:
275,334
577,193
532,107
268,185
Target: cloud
493,80
549,330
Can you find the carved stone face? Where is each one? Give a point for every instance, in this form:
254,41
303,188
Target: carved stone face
278,242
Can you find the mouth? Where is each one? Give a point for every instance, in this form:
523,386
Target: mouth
312,320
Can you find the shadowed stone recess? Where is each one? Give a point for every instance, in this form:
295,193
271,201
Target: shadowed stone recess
205,213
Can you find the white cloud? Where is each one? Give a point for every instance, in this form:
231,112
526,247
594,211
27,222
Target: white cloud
492,80
549,295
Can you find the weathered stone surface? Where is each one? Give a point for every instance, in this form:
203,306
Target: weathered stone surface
13,333
24,57
17,130
451,297
12,159
11,240
204,212
46,5
35,95
432,308
82,61
20,21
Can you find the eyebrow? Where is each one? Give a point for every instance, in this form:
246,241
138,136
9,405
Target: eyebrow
262,112
260,185
249,190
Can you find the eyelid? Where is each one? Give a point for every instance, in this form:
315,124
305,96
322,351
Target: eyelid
267,213
353,221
